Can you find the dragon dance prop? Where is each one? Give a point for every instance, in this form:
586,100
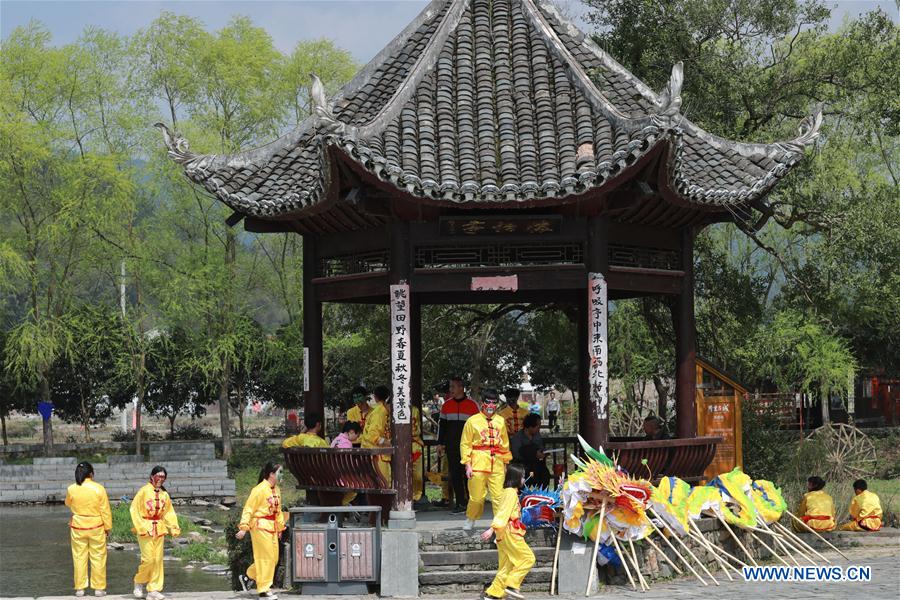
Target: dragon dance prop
604,504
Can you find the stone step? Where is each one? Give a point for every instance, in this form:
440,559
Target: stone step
475,580
487,559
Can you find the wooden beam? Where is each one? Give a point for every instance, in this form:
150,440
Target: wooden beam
314,397
685,345
536,278
401,460
347,288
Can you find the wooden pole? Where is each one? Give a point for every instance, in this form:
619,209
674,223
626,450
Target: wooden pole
593,571
737,539
712,550
681,556
786,546
793,536
637,567
685,343
766,546
683,545
556,555
815,533
623,559
725,553
663,555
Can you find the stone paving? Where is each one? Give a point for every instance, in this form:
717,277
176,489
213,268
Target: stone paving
883,560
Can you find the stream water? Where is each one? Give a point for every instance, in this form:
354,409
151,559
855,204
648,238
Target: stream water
36,560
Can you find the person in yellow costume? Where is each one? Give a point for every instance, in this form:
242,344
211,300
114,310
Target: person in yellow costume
512,413
817,507
418,448
263,518
153,517
90,524
311,438
516,558
377,432
865,508
484,450
360,409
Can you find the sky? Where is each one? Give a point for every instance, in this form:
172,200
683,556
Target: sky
363,27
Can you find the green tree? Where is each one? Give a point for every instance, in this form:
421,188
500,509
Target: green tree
173,388
57,182
84,381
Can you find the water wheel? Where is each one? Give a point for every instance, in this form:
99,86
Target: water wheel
848,452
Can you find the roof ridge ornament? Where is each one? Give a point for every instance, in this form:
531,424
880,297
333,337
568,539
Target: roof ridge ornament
670,97
323,110
807,132
178,148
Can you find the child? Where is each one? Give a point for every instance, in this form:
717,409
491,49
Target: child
816,508
865,509
516,558
348,436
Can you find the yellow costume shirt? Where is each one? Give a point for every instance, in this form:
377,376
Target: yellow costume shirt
508,514
354,414
152,513
514,418
89,505
866,511
817,510
484,443
305,440
377,433
262,510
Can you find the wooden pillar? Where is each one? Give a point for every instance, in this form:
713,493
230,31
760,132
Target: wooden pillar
401,433
685,344
593,419
314,374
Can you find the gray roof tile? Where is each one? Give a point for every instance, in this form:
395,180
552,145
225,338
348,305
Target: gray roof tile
494,112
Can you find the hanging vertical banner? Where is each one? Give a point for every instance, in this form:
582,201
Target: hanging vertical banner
401,365
598,346
305,369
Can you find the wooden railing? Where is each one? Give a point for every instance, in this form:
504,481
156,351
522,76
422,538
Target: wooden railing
685,458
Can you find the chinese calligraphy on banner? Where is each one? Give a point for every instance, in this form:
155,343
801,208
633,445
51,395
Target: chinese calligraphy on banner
305,369
401,365
598,347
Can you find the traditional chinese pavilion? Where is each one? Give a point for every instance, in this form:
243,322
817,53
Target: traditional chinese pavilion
493,153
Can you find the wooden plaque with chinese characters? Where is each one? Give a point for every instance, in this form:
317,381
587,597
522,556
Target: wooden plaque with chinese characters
719,403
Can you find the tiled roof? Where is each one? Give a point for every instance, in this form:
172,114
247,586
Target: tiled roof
488,101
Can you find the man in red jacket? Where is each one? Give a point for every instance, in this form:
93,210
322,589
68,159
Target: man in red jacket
454,414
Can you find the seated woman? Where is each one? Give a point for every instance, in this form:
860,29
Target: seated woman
817,507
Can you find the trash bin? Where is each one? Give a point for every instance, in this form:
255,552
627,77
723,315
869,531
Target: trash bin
332,555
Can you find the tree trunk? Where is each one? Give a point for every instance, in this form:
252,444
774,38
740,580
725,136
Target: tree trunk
826,415
172,427
224,421
242,407
47,424
139,405
662,401
3,425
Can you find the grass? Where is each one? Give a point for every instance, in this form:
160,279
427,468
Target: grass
200,551
121,531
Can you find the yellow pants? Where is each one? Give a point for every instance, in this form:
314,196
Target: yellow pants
479,485
516,559
265,559
418,480
150,572
873,524
384,467
89,546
